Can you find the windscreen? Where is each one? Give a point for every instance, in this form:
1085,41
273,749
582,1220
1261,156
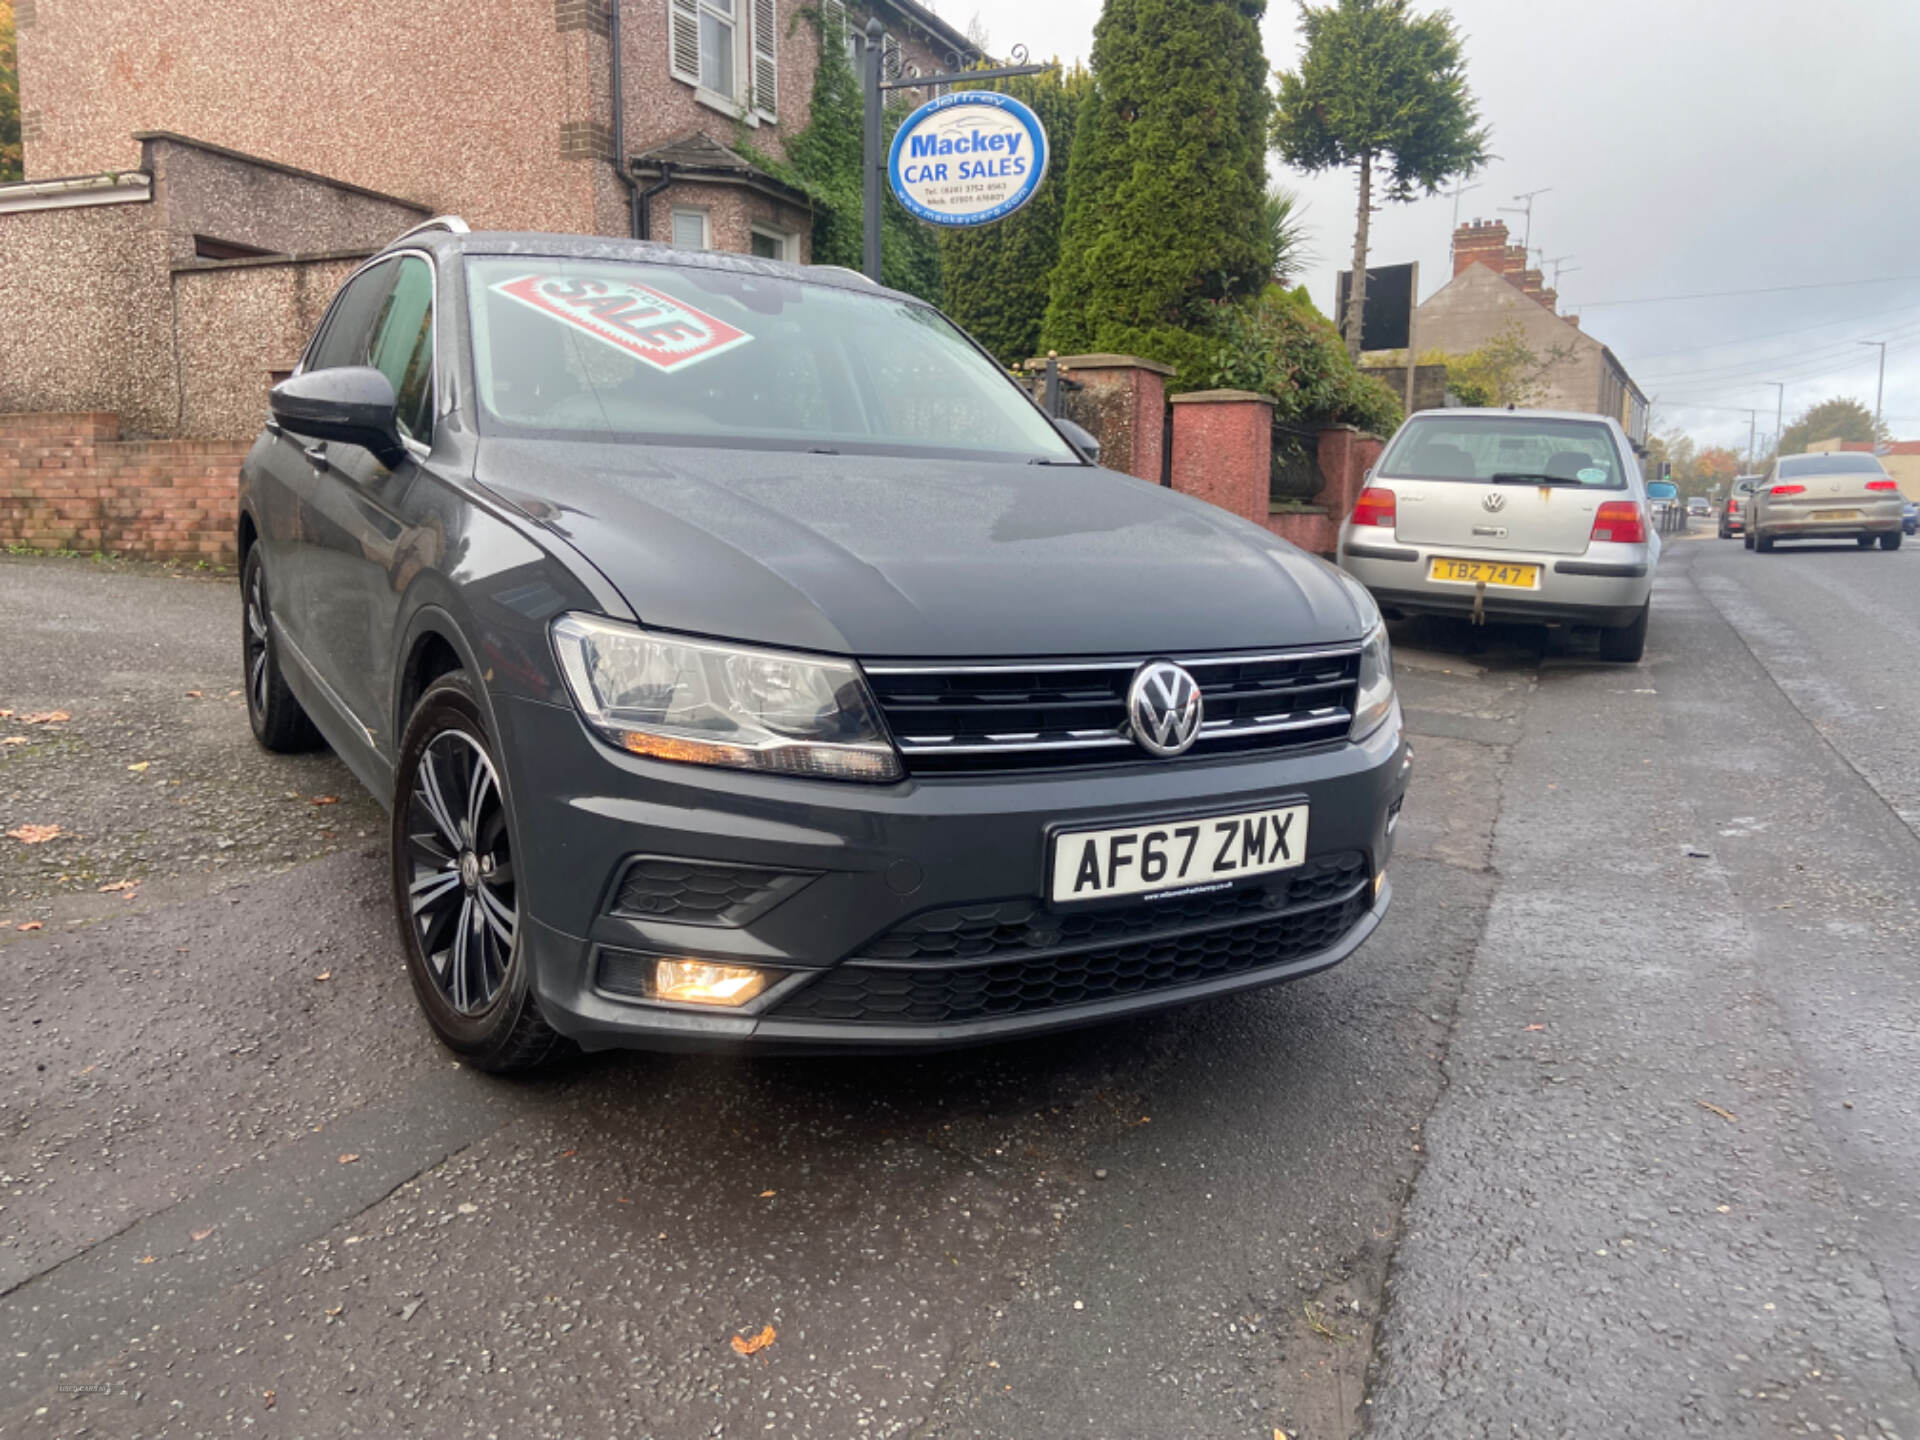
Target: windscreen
608,350
1836,463
1505,447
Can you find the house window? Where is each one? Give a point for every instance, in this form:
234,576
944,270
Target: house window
717,42
690,230
728,51
767,243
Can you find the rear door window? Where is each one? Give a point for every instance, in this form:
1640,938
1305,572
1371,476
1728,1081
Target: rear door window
1506,448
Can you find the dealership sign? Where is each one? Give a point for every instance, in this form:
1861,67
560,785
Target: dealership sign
968,158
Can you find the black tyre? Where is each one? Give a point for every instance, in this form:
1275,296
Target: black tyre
1629,642
1746,538
456,889
277,719
1763,543
1890,540
1865,542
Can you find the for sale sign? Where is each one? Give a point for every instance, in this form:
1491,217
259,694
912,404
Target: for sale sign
636,320
968,158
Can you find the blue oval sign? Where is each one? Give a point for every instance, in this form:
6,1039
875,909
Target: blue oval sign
968,158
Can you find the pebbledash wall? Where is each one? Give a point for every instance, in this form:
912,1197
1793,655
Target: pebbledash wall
117,325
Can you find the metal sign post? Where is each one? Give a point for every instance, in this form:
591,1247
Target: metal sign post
875,85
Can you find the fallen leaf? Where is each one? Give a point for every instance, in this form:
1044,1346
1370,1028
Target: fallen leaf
326,799
267,1395
467,1207
118,885
766,1194
90,1069
1279,1434
202,1234
348,1158
335,1311
34,834
45,717
193,694
139,766
744,1346
233,694
30,925
1536,1027
1723,1114
324,975
407,1310
146,1259
6,714
564,1154
14,740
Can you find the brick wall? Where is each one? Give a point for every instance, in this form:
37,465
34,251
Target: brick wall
69,482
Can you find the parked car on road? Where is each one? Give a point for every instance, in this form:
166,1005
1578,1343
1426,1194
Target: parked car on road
1733,511
1699,505
747,660
1510,514
1839,495
1910,519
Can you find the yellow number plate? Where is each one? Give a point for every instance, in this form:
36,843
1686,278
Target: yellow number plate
1836,514
1473,572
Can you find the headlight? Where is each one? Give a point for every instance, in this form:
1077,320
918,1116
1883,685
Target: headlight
1375,696
674,699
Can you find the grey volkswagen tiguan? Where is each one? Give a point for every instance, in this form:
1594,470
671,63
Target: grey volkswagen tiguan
745,659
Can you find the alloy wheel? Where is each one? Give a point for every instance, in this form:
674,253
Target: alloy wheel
257,642
461,893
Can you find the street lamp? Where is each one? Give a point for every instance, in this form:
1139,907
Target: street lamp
1779,408
1879,387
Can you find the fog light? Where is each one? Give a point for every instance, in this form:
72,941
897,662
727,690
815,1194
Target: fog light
699,982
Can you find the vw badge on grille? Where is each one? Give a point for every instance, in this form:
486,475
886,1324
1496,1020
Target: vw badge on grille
1494,502
1164,705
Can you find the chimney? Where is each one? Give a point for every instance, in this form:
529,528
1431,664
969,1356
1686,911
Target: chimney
1513,260
1483,242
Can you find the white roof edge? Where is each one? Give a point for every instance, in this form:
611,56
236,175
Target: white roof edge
120,187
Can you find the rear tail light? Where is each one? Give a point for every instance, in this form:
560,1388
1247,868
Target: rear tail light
1733,507
1881,485
1621,522
1788,490
1374,507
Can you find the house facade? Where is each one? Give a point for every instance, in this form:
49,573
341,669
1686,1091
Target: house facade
245,156
1492,289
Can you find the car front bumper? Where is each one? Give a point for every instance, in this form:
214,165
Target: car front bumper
1608,586
914,913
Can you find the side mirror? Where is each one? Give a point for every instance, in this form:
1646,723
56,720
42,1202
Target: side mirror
1081,438
352,404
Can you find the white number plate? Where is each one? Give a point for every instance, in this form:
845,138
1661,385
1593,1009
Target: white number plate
1171,855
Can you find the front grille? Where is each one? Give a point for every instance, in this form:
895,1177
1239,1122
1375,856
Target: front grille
700,892
974,932
861,992
953,719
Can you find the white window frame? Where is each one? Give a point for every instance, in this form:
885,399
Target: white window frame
705,217
756,58
786,240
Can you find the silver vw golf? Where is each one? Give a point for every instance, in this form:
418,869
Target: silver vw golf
1533,515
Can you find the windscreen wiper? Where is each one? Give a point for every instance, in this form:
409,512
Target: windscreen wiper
1527,477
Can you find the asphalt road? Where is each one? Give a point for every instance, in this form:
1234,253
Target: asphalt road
1180,1226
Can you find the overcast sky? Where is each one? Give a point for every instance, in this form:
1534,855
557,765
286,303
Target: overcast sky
1691,146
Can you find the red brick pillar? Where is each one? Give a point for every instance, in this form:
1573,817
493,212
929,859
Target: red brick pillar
1223,449
1123,402
1345,455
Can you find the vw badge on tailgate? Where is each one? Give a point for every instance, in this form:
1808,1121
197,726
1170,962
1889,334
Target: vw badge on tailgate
1164,705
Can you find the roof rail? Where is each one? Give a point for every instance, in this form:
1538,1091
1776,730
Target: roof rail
860,275
452,224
